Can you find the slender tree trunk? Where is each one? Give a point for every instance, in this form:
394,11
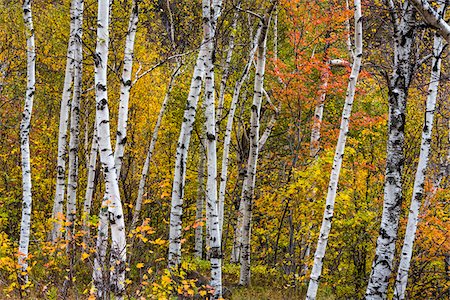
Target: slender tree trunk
190,111
318,112
142,181
92,164
125,86
337,162
113,202
25,224
248,192
58,203
72,183
226,68
212,207
398,90
227,140
198,247
418,191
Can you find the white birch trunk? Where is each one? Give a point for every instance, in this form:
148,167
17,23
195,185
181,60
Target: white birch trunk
226,68
198,247
337,162
142,181
212,213
433,18
58,203
418,191
248,192
318,112
113,202
25,224
125,86
72,183
227,140
90,185
399,83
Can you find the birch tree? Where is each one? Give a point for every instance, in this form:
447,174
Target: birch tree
72,183
404,33
113,202
190,112
125,87
90,183
63,125
228,131
248,192
25,224
337,161
212,207
419,182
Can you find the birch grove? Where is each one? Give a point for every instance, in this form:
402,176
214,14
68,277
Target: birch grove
25,224
338,156
109,179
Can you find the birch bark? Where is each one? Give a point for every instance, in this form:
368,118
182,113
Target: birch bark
72,183
418,190
113,202
227,142
248,192
125,86
90,184
337,161
198,247
58,203
25,224
212,214
398,90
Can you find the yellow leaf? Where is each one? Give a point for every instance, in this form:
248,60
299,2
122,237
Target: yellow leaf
139,265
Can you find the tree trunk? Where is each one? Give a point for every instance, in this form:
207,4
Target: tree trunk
58,203
419,182
227,140
72,183
212,213
92,164
125,86
337,161
198,247
113,202
226,68
248,192
25,223
393,198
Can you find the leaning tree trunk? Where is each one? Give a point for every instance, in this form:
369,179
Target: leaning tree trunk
140,196
227,139
125,86
248,192
398,91
337,162
418,191
58,203
72,183
113,202
25,223
190,111
226,68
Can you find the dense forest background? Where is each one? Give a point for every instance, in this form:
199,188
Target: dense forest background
309,49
